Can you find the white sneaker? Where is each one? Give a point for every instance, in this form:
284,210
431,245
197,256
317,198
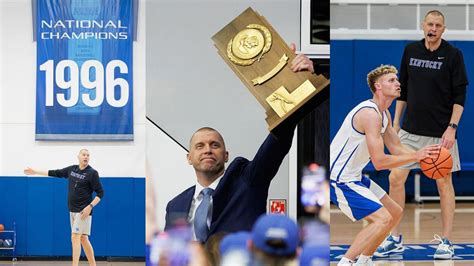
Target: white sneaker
445,250
390,247
345,262
368,262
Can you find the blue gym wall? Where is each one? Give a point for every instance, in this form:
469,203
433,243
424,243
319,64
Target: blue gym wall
38,205
351,60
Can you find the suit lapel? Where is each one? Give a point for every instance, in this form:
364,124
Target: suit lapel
188,199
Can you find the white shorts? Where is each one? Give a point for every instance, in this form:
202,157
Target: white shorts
79,226
357,199
416,142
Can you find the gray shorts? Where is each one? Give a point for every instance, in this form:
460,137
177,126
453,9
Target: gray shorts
416,142
79,226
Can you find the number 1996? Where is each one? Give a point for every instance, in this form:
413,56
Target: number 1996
102,87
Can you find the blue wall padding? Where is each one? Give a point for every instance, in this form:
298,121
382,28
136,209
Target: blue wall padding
40,216
342,82
138,219
38,206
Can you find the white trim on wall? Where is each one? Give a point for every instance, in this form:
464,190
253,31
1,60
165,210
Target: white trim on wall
396,34
415,33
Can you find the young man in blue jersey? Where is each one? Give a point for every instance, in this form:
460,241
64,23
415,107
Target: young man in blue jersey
362,137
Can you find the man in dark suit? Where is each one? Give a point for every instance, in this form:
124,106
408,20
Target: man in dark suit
230,200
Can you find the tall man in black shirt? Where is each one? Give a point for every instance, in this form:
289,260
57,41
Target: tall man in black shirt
83,181
433,90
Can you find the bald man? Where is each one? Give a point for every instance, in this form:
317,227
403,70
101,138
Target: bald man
83,181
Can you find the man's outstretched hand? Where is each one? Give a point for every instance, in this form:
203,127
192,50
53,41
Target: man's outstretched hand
29,171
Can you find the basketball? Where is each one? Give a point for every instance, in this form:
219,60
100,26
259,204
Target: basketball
2,227
439,167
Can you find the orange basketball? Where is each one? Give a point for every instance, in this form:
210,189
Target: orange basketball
439,167
2,227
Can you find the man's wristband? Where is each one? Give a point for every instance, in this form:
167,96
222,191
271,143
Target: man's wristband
453,125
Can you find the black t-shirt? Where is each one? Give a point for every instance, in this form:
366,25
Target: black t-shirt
81,185
431,82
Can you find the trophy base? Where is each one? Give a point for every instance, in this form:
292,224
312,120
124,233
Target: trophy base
303,94
294,118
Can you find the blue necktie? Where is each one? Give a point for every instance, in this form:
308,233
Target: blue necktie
200,218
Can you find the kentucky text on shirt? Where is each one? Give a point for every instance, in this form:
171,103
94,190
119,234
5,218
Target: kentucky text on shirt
78,175
425,63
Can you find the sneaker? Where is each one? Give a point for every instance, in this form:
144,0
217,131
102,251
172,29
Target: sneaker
389,247
345,262
445,250
368,262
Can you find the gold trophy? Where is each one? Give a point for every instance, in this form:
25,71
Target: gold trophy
260,58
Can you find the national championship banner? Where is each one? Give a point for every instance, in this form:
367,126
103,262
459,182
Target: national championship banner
84,82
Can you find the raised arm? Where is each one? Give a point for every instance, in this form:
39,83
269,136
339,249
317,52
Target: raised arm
270,155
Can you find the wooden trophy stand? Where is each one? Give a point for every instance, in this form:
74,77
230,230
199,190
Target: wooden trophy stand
260,58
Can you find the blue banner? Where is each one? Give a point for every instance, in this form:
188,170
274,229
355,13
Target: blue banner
84,81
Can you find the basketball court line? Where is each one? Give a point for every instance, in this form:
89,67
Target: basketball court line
413,252
418,222
416,218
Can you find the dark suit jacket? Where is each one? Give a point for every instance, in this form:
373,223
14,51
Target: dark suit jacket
241,195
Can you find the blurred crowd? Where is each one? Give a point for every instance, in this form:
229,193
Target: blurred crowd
275,239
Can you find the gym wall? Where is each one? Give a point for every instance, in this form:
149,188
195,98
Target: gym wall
38,205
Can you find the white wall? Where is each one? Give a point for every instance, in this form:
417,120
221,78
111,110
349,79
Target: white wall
1,73
17,106
168,166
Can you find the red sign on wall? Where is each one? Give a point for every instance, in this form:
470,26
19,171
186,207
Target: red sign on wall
277,206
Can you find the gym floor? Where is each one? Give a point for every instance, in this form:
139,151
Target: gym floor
418,226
